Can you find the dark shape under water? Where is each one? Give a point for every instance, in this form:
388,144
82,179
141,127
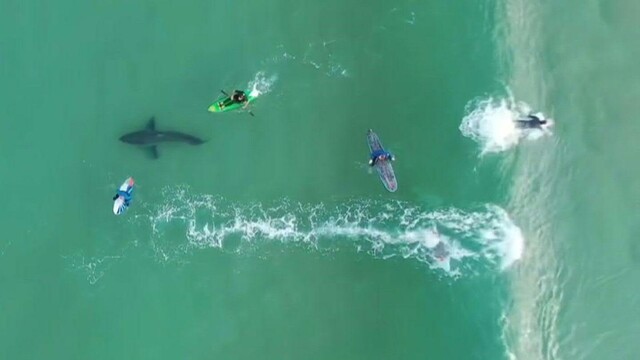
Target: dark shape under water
150,137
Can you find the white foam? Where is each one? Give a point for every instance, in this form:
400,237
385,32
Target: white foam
490,122
452,240
261,84
321,56
94,268
503,228
318,56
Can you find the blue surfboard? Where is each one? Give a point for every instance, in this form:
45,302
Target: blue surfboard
383,167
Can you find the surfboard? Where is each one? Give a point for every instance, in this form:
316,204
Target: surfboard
118,204
383,167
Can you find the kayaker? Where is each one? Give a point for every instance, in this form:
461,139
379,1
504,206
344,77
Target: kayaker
238,97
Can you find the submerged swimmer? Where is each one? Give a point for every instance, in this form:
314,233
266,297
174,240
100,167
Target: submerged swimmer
531,122
380,155
439,251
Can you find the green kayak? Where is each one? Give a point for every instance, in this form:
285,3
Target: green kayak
224,103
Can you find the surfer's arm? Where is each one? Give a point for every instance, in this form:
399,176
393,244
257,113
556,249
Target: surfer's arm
125,195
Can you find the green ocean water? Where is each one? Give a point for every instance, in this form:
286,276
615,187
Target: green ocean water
273,240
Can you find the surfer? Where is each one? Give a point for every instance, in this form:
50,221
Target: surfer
531,122
126,196
380,155
381,159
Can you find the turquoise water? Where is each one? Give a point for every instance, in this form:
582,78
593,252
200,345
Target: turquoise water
274,240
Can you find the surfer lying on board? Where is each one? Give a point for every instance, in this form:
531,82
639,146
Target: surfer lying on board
125,195
531,122
379,155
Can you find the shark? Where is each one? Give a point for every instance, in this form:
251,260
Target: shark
150,138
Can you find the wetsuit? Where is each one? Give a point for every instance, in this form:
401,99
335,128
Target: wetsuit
125,195
531,122
376,155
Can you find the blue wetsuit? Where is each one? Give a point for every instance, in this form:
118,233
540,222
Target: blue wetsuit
126,195
377,154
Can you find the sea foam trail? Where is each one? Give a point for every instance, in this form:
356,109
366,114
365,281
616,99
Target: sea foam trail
530,319
319,56
456,241
262,84
490,122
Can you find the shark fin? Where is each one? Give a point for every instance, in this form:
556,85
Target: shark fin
151,125
154,152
